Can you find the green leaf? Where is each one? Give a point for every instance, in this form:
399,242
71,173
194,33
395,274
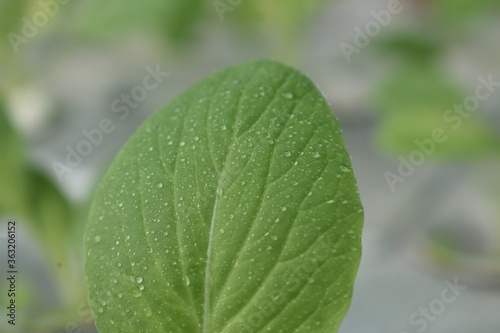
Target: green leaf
31,196
173,18
417,86
52,216
11,14
400,132
411,46
290,16
28,193
282,23
415,102
12,168
463,12
233,209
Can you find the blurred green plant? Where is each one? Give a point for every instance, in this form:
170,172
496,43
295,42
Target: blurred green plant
11,164
463,12
419,96
178,21
173,19
32,197
284,21
415,97
414,101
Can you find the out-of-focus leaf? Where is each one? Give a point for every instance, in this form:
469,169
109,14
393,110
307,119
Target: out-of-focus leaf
54,223
12,168
11,13
399,132
463,11
31,196
415,102
215,207
281,21
286,15
174,18
181,17
416,87
52,215
411,46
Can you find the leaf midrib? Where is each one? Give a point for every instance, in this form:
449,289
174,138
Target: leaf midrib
235,137
206,284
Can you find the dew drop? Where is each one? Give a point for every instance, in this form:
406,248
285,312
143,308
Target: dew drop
287,95
159,185
315,154
141,287
138,279
287,154
344,168
97,239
